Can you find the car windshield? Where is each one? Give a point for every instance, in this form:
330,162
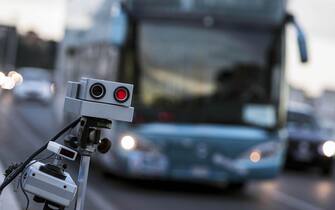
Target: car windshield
301,120
34,74
193,74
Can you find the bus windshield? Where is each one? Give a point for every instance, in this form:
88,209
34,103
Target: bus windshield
201,75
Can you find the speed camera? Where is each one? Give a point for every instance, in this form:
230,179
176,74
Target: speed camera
100,99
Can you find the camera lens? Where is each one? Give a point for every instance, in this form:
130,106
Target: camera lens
121,94
97,90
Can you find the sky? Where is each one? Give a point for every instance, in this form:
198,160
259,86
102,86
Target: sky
317,18
47,18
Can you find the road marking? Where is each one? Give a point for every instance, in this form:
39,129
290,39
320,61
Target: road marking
98,199
293,202
8,200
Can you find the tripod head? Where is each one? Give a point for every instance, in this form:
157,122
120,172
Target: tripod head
98,102
88,137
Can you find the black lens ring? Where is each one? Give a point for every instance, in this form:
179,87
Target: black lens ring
97,96
121,87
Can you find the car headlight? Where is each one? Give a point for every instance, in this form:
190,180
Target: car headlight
328,148
53,88
2,78
18,79
262,151
8,83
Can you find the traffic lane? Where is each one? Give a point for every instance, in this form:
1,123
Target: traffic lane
263,195
37,122
309,186
18,126
157,195
40,117
18,140
131,194
291,191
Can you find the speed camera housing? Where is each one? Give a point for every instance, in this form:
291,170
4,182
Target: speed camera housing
100,99
58,190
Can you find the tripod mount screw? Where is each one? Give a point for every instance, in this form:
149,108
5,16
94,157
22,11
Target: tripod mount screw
104,145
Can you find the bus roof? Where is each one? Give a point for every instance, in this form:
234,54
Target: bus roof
265,12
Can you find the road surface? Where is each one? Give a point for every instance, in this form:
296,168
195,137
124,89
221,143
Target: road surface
26,126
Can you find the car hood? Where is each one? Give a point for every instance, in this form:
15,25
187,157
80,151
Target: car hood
306,135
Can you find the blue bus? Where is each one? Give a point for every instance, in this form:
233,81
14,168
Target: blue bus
210,88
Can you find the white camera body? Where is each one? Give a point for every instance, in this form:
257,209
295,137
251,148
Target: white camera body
39,183
100,99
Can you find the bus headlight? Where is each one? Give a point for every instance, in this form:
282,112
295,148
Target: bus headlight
133,142
255,156
262,151
328,148
128,143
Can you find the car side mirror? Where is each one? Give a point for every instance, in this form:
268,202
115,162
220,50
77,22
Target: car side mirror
301,38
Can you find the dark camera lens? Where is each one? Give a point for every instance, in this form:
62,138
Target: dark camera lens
97,90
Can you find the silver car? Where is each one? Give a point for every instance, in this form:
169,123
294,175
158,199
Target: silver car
36,85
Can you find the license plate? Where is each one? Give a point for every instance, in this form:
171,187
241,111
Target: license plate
303,152
147,163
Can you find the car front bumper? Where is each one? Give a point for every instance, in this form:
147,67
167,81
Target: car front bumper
302,153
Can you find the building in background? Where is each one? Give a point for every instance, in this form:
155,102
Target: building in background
29,49
326,110
35,52
8,47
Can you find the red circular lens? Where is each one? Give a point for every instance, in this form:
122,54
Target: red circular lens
121,94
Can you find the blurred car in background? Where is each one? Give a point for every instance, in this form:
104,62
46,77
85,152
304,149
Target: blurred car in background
308,145
36,85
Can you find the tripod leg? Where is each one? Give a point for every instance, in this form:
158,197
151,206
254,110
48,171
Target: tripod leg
82,181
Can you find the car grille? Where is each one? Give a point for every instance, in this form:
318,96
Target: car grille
184,154
295,144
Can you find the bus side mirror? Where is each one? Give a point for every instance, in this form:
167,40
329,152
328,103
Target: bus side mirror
301,38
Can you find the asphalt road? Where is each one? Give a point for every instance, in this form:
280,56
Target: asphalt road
26,126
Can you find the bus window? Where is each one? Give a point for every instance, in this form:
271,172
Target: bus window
213,72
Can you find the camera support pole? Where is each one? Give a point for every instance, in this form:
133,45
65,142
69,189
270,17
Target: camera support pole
89,136
82,181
